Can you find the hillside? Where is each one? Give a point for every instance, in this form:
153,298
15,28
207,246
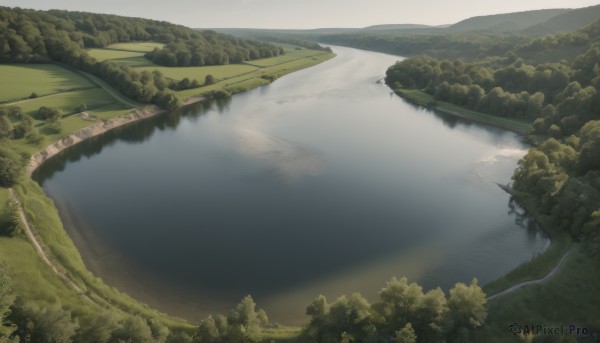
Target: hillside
565,22
397,27
506,21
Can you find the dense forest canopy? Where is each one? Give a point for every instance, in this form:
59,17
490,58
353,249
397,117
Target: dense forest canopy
62,36
561,97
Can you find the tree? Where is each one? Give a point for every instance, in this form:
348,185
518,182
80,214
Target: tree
209,80
135,330
352,316
590,146
209,332
399,303
50,324
318,310
6,300
11,165
467,305
406,335
243,321
102,328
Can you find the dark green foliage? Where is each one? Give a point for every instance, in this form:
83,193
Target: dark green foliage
210,48
49,114
403,314
209,80
102,328
6,300
11,165
6,128
49,324
135,330
243,324
62,36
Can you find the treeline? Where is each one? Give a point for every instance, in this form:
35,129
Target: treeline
403,314
62,36
54,323
211,48
561,98
291,39
467,45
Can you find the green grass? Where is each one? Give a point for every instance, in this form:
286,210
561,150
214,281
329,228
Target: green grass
20,80
110,54
69,101
28,271
136,46
288,56
570,297
178,73
421,98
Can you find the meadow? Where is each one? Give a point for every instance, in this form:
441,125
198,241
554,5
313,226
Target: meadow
232,78
19,81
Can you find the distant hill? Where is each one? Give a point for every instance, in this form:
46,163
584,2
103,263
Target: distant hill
565,22
397,27
507,21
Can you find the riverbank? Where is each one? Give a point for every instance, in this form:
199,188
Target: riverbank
25,264
421,98
97,129
560,242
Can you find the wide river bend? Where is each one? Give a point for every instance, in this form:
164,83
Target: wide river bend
323,182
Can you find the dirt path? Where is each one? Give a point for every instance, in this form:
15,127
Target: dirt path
531,282
56,268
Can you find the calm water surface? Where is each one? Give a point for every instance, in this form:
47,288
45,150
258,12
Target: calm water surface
322,182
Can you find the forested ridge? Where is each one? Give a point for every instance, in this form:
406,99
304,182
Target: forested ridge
561,98
29,36
473,38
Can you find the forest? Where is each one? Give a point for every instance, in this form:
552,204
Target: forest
30,36
561,98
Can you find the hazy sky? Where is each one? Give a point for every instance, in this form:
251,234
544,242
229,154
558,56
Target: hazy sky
300,13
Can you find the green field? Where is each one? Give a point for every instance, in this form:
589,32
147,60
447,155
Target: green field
68,102
20,80
136,46
233,78
109,54
290,54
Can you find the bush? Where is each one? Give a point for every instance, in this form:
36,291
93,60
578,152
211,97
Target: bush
10,167
34,137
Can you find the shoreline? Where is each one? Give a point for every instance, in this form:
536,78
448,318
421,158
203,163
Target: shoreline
476,117
98,128
503,284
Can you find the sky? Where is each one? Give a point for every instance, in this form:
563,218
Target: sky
300,14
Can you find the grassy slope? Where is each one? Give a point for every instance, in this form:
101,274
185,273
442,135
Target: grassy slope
27,269
49,79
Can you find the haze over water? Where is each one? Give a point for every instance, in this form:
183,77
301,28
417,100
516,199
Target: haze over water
322,182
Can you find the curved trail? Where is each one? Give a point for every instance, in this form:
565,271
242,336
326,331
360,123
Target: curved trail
531,282
56,268
510,290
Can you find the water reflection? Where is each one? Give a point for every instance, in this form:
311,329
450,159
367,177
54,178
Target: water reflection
318,183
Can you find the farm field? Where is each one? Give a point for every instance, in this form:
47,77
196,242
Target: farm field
19,81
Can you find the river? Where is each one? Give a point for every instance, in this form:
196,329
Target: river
323,182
